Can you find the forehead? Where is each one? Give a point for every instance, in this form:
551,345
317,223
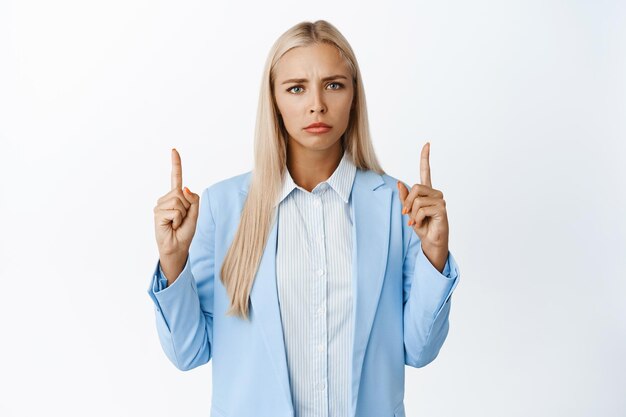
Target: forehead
309,61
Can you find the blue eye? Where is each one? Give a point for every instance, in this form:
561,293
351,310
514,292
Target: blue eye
295,86
339,84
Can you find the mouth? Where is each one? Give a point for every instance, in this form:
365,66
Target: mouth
317,124
321,129
318,128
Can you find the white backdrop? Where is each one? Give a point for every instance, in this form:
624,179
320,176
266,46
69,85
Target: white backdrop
524,103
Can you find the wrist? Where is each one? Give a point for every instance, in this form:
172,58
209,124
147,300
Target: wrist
436,255
172,266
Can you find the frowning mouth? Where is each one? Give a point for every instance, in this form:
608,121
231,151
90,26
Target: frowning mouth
318,127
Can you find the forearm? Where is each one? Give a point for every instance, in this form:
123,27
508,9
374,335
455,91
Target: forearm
184,328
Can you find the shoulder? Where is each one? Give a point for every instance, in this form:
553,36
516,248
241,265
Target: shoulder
229,187
225,195
388,181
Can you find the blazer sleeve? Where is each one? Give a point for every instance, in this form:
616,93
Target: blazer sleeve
427,298
184,310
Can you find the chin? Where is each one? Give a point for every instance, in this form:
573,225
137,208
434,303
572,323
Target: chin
317,142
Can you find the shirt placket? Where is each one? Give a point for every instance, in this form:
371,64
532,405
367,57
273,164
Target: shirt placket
320,285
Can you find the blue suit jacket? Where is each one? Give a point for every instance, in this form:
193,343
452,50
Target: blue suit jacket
402,304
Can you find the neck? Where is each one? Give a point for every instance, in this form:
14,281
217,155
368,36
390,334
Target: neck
310,167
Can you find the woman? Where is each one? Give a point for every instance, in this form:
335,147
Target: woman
313,279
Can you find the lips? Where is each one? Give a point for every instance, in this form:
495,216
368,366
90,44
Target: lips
317,124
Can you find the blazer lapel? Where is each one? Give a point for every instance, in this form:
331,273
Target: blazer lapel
265,309
371,208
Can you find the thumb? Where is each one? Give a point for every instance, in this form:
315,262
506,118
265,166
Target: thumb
194,200
403,192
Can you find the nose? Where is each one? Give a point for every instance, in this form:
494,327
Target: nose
318,102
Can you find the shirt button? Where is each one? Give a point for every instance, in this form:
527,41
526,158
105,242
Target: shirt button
317,202
320,239
320,310
321,386
320,272
320,348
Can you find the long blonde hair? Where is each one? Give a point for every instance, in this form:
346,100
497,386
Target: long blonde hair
270,160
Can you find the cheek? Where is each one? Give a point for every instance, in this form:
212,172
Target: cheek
345,107
289,118
288,115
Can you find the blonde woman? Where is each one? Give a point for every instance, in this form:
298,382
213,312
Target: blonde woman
314,278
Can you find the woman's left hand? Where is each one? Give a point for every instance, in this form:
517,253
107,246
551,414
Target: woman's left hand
427,213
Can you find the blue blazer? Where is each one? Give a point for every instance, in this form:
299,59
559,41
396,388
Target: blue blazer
402,304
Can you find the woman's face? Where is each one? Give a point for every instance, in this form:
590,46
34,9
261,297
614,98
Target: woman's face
313,84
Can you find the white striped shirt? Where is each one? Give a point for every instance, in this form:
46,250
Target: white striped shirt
314,279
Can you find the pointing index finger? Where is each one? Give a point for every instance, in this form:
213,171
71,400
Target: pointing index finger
177,170
425,165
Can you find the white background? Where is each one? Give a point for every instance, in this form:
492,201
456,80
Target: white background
524,103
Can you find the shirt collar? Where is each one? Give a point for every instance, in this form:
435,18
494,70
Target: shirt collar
341,180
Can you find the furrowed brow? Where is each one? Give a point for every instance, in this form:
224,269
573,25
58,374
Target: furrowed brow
304,80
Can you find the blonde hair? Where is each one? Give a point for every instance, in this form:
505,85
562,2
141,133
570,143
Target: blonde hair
270,160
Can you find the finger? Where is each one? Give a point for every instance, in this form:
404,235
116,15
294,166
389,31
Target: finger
195,204
175,193
425,165
419,190
170,216
420,202
177,170
176,204
423,213
190,197
403,192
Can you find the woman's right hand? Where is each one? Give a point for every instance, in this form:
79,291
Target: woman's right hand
175,218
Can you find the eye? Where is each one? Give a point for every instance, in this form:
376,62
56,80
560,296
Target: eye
291,88
340,85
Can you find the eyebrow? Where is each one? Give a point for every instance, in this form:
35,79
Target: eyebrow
303,80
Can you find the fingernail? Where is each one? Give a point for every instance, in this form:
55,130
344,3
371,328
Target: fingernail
187,189
411,222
